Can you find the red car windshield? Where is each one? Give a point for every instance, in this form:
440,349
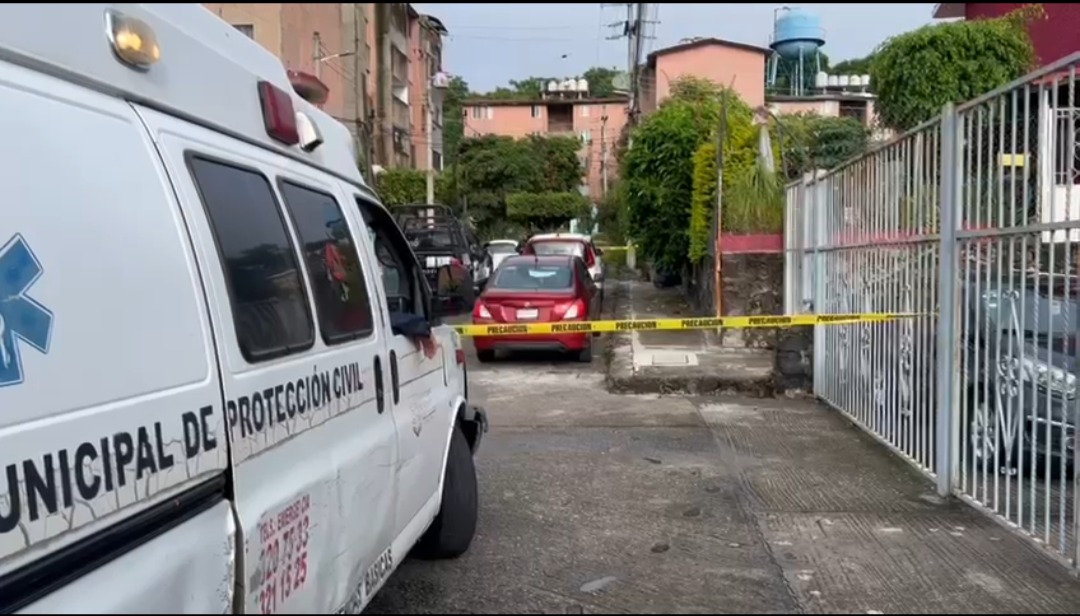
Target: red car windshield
533,277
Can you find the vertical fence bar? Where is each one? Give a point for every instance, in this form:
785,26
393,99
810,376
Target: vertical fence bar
947,282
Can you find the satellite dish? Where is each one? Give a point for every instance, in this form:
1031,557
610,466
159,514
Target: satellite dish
621,82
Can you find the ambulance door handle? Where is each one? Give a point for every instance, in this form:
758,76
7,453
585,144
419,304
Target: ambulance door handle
380,391
394,382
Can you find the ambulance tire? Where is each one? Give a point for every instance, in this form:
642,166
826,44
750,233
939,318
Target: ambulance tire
453,530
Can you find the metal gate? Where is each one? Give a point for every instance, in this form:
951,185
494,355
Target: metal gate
972,221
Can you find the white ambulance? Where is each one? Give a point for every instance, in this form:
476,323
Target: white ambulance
224,385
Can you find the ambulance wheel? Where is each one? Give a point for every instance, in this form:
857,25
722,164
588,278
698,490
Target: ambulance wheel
453,530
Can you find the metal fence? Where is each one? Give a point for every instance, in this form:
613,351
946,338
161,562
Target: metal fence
972,221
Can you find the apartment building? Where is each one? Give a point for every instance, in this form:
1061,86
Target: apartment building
428,85
742,67
736,65
371,65
597,122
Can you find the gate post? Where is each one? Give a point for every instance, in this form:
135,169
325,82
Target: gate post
948,318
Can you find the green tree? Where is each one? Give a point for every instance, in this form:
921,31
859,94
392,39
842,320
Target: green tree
492,167
545,211
658,169
601,81
810,141
854,66
454,118
916,73
403,186
612,215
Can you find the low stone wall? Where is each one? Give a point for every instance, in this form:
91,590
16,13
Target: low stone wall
793,369
753,285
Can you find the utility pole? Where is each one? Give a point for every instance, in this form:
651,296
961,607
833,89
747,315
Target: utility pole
316,43
603,154
629,29
641,10
718,214
428,129
632,31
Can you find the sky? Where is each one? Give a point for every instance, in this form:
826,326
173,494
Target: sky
490,44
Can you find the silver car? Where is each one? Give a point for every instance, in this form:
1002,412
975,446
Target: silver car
499,250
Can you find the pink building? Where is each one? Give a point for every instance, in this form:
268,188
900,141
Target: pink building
309,38
598,122
425,47
738,65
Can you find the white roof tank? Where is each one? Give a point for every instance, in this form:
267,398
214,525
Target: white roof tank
821,79
553,86
583,85
833,81
844,81
866,80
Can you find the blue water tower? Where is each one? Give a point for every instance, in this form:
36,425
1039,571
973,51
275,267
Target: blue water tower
797,40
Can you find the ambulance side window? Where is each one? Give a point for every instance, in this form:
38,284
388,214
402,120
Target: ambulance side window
269,300
334,270
401,276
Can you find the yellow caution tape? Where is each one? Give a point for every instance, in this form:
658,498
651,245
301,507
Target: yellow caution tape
582,327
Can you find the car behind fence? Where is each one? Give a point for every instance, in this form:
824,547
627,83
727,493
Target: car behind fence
971,222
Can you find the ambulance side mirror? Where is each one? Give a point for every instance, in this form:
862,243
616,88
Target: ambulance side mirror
453,294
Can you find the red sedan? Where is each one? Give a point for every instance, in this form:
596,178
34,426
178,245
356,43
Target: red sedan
538,289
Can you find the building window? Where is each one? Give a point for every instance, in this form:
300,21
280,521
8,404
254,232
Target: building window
436,161
482,113
584,111
248,30
537,111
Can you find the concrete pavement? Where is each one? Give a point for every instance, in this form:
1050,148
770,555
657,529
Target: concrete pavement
594,502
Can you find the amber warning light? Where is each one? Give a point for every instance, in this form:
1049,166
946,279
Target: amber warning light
133,40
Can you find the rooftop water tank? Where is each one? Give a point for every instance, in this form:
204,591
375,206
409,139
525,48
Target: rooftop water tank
583,85
821,79
833,81
797,32
845,81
